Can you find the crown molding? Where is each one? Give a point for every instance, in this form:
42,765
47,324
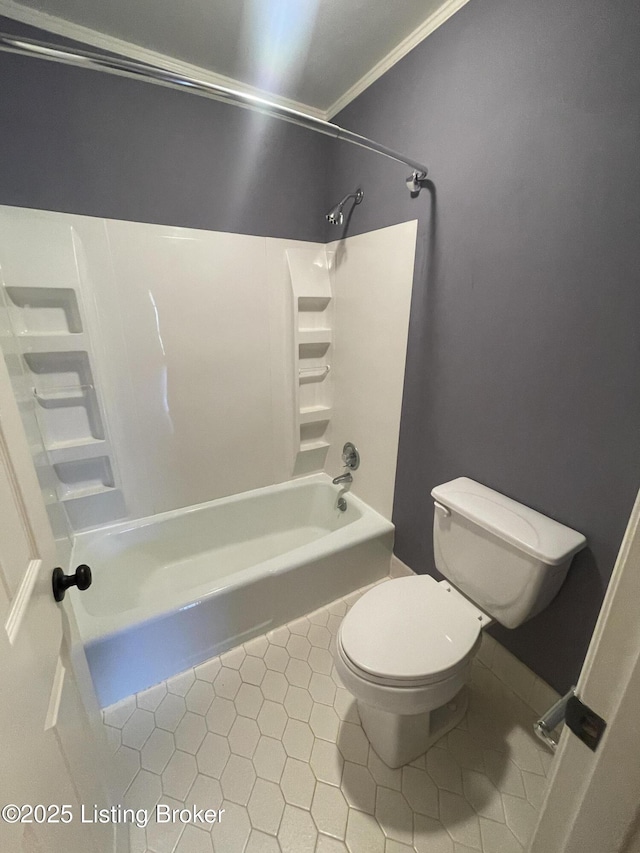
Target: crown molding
129,50
399,51
100,41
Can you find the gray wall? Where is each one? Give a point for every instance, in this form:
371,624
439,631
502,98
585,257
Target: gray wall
524,350
90,143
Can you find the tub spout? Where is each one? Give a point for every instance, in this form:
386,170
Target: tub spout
343,479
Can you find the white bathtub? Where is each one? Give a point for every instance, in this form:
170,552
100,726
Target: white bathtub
175,589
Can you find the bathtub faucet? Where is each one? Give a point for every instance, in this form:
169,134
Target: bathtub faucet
343,479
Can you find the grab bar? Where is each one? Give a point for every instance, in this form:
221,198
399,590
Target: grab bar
61,393
309,372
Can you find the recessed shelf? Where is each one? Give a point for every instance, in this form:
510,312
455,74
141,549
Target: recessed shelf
316,444
62,396
313,414
32,334
313,303
81,478
67,404
313,434
65,494
317,349
314,336
56,349
54,343
44,310
72,451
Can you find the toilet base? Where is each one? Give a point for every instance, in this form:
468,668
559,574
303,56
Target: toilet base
400,738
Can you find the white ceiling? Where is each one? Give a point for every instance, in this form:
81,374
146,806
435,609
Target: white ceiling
313,52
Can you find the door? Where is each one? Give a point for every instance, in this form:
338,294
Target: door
593,801
49,760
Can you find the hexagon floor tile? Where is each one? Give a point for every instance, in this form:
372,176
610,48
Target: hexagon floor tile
268,733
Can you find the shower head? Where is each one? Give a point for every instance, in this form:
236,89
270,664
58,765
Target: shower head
335,215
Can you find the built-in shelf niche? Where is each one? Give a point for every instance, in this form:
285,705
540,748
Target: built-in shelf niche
56,351
67,405
44,310
314,350
82,478
321,337
313,338
311,414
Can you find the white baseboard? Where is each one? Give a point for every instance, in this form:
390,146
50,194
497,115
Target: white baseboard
537,694
398,569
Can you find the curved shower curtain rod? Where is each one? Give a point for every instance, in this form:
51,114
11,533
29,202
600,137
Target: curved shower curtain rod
165,77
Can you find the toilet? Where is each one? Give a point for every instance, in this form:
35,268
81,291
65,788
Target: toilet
404,650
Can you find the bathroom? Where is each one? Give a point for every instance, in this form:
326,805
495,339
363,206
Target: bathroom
483,327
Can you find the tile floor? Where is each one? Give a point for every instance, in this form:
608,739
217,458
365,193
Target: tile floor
268,733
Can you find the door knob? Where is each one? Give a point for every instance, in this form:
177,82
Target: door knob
61,582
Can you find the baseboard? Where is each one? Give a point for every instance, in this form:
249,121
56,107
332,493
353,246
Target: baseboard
537,694
398,569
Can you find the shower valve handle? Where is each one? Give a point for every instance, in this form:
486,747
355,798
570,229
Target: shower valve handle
350,456
61,582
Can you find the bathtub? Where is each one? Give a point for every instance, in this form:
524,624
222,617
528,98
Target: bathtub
175,589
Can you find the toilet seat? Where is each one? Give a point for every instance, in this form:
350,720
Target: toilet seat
402,685
409,632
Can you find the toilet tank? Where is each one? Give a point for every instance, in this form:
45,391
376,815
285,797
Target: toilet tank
507,558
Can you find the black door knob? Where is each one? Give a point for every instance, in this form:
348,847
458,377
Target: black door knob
61,582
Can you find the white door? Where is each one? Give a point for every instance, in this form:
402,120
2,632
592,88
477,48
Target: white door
593,801
48,760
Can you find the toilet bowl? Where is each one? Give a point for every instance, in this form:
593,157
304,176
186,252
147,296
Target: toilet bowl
405,648
405,651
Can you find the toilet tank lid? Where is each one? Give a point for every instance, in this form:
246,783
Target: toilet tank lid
536,534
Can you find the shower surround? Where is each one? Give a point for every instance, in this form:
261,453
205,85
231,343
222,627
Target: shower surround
187,393
194,340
